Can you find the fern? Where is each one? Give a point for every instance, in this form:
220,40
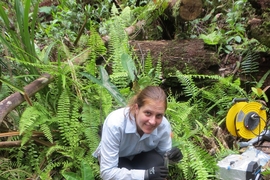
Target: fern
178,113
28,118
190,89
35,118
67,116
249,63
92,126
216,96
45,174
158,72
197,163
98,49
118,45
92,132
45,128
34,157
147,64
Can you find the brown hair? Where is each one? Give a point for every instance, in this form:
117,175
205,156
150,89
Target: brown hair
148,93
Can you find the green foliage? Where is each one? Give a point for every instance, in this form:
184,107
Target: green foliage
67,118
212,38
197,163
250,63
224,26
11,170
213,97
104,82
21,45
119,48
35,118
85,174
98,49
70,111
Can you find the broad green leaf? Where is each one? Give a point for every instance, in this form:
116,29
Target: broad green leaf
104,82
212,38
229,47
71,176
129,65
45,9
86,171
257,91
238,39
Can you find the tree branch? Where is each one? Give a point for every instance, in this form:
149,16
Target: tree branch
15,99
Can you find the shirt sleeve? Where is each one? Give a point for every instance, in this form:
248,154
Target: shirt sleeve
165,143
111,137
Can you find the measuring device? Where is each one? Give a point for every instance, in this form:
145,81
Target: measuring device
246,119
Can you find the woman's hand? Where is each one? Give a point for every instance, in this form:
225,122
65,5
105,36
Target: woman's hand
175,155
156,173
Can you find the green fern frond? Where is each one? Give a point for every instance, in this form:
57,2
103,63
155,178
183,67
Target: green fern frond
118,45
67,115
92,124
158,72
97,46
63,116
11,170
34,156
179,114
147,64
45,174
190,89
197,163
26,137
55,148
249,63
28,119
45,128
32,119
120,79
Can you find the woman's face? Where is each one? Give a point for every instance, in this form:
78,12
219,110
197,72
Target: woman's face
149,116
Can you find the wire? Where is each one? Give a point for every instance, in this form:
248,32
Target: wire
260,136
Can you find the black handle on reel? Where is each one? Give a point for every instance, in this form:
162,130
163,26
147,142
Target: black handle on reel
235,100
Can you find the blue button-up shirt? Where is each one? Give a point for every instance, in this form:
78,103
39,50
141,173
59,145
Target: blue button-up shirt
120,139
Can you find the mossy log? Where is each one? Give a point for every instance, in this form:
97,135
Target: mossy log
178,55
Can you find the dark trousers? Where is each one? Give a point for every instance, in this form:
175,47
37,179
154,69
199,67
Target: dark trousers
144,160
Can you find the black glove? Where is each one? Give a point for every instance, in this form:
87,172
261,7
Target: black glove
175,155
156,173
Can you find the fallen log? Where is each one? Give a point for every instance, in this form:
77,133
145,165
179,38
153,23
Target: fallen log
178,54
15,99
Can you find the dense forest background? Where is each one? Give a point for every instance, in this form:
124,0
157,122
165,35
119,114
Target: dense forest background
65,64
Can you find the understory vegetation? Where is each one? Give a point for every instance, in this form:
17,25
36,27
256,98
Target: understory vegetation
93,70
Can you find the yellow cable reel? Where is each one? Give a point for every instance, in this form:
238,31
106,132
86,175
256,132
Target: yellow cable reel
246,119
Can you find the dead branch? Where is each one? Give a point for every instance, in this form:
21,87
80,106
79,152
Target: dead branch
17,133
6,144
35,137
14,100
10,144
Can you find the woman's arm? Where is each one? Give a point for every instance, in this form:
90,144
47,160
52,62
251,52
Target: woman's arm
110,141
